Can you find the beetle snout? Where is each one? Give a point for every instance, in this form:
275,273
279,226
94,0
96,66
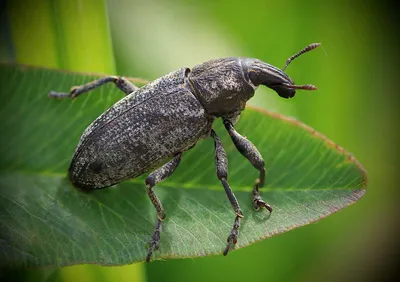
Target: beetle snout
284,91
262,73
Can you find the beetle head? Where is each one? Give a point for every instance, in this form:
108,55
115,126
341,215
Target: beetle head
262,73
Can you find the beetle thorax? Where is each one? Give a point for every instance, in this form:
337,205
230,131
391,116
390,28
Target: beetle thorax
220,86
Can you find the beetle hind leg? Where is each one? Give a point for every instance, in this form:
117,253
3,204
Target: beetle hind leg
250,152
155,240
155,177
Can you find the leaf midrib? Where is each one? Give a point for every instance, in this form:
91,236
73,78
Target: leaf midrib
189,186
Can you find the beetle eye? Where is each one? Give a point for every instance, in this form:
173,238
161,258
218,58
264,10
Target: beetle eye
96,166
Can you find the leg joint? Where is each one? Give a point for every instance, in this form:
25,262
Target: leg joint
222,175
150,182
259,163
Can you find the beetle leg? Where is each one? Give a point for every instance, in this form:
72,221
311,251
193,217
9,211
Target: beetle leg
232,239
221,163
122,83
250,152
155,177
155,240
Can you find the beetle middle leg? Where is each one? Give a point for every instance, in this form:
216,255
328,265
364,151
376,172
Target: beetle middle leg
122,83
155,177
250,152
221,163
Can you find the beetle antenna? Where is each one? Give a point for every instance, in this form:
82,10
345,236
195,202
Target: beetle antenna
308,48
303,87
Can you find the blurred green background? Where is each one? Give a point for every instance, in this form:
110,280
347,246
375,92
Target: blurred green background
356,106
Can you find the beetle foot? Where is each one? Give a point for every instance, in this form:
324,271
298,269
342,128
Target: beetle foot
58,95
155,240
258,201
232,238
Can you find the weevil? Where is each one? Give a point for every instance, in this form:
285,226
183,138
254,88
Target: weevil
152,126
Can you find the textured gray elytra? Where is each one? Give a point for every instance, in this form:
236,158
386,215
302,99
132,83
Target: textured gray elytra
140,132
153,125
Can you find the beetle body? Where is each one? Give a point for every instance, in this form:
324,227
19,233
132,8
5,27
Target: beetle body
152,126
140,132
148,127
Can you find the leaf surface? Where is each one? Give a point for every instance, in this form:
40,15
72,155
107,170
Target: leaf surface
45,221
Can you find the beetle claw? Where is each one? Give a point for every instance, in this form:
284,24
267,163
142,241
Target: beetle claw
258,203
257,200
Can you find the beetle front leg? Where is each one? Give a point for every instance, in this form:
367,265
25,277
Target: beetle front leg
122,83
221,163
155,177
250,152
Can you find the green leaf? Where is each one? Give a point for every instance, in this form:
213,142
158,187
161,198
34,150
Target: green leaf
59,29
45,221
